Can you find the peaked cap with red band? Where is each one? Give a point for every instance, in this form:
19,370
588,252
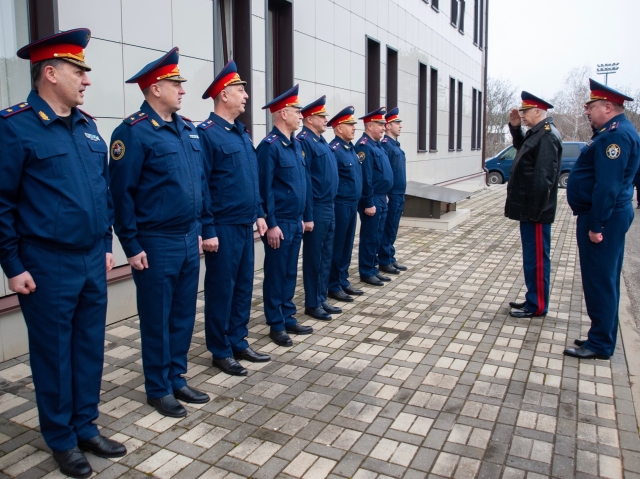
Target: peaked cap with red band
228,76
392,115
376,116
531,101
164,68
345,116
316,108
67,46
288,98
603,92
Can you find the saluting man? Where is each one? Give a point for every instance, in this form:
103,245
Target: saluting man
319,221
283,188
600,193
161,198
532,197
55,244
398,162
231,170
377,180
345,205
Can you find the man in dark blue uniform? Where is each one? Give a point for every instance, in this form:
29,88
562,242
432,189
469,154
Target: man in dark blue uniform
231,170
283,188
398,161
346,204
55,244
319,221
600,193
532,197
161,204
377,180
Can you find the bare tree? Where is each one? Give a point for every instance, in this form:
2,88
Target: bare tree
632,108
568,112
501,98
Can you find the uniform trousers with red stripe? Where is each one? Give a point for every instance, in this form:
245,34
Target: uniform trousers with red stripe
536,258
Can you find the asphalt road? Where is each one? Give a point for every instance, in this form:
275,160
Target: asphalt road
631,266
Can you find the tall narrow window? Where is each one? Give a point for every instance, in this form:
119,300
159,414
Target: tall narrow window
392,77
43,18
452,114
454,12
422,107
459,125
481,27
461,21
435,4
480,109
474,104
475,22
433,106
279,49
242,53
223,32
14,73
372,91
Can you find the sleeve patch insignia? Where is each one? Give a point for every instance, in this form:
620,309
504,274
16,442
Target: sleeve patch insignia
613,151
117,150
361,156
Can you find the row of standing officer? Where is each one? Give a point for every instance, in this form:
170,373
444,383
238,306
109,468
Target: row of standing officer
157,192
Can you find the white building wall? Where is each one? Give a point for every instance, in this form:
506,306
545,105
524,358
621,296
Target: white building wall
329,59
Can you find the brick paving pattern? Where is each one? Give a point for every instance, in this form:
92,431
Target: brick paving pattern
425,377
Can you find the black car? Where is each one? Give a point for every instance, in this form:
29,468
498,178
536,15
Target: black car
499,167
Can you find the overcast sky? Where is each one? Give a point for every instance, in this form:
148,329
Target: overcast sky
535,43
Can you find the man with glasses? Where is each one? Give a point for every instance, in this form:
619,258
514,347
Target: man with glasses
283,188
600,193
532,195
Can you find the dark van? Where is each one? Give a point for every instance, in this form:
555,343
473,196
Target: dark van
499,166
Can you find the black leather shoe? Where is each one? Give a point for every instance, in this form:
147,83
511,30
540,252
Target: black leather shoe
73,463
583,353
521,313
251,355
515,305
168,406
281,338
190,395
352,291
299,329
317,313
382,277
579,342
331,309
399,266
372,280
389,268
103,447
340,296
230,366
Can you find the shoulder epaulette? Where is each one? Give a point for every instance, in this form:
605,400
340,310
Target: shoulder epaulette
547,127
614,125
385,139
334,145
86,114
206,124
302,135
186,119
363,141
12,110
297,138
271,138
135,118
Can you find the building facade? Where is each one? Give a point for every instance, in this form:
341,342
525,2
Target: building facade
426,57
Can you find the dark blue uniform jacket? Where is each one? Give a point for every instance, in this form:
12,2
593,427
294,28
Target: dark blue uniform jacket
283,182
322,171
398,162
53,182
158,183
377,177
602,178
231,169
349,171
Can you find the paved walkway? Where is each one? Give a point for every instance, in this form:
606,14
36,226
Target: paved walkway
427,376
